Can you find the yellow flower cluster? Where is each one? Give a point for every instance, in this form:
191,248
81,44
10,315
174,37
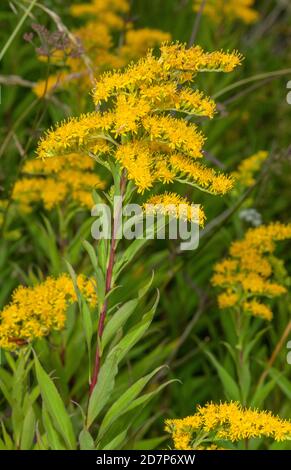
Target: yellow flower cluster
219,423
36,311
245,173
251,271
48,86
136,122
97,38
174,205
108,10
55,180
220,10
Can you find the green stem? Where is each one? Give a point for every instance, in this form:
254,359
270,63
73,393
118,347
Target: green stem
13,35
245,81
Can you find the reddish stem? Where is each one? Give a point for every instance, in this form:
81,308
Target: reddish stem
108,282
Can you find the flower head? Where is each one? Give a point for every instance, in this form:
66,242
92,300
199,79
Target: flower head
244,175
140,119
221,10
56,180
250,273
36,311
223,422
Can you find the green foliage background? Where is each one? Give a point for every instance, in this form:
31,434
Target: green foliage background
188,332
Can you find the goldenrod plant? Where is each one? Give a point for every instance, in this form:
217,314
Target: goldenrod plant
135,136
249,279
145,226
226,426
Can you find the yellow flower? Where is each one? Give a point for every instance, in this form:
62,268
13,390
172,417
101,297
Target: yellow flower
249,274
74,133
136,123
176,133
177,56
56,180
221,10
36,311
205,177
137,42
258,309
226,422
227,299
45,87
174,205
107,10
244,175
97,38
136,158
129,111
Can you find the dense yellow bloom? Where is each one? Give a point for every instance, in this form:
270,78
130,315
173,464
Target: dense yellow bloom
177,56
108,10
138,41
174,60
167,96
74,133
36,311
55,180
219,423
250,273
136,123
258,309
176,133
136,158
174,205
244,175
205,177
220,10
129,111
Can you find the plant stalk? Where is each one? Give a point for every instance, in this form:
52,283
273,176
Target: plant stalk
108,286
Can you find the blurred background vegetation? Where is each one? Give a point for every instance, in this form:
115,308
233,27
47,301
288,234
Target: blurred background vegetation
253,115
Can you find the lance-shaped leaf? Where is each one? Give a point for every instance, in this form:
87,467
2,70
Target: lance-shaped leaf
55,405
121,405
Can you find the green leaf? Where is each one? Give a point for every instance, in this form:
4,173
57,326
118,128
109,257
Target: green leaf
135,333
84,310
28,430
53,437
144,290
116,442
143,399
92,254
283,383
55,405
102,390
127,256
245,379
7,439
150,444
121,405
262,393
117,321
86,440
230,387
250,345
2,445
